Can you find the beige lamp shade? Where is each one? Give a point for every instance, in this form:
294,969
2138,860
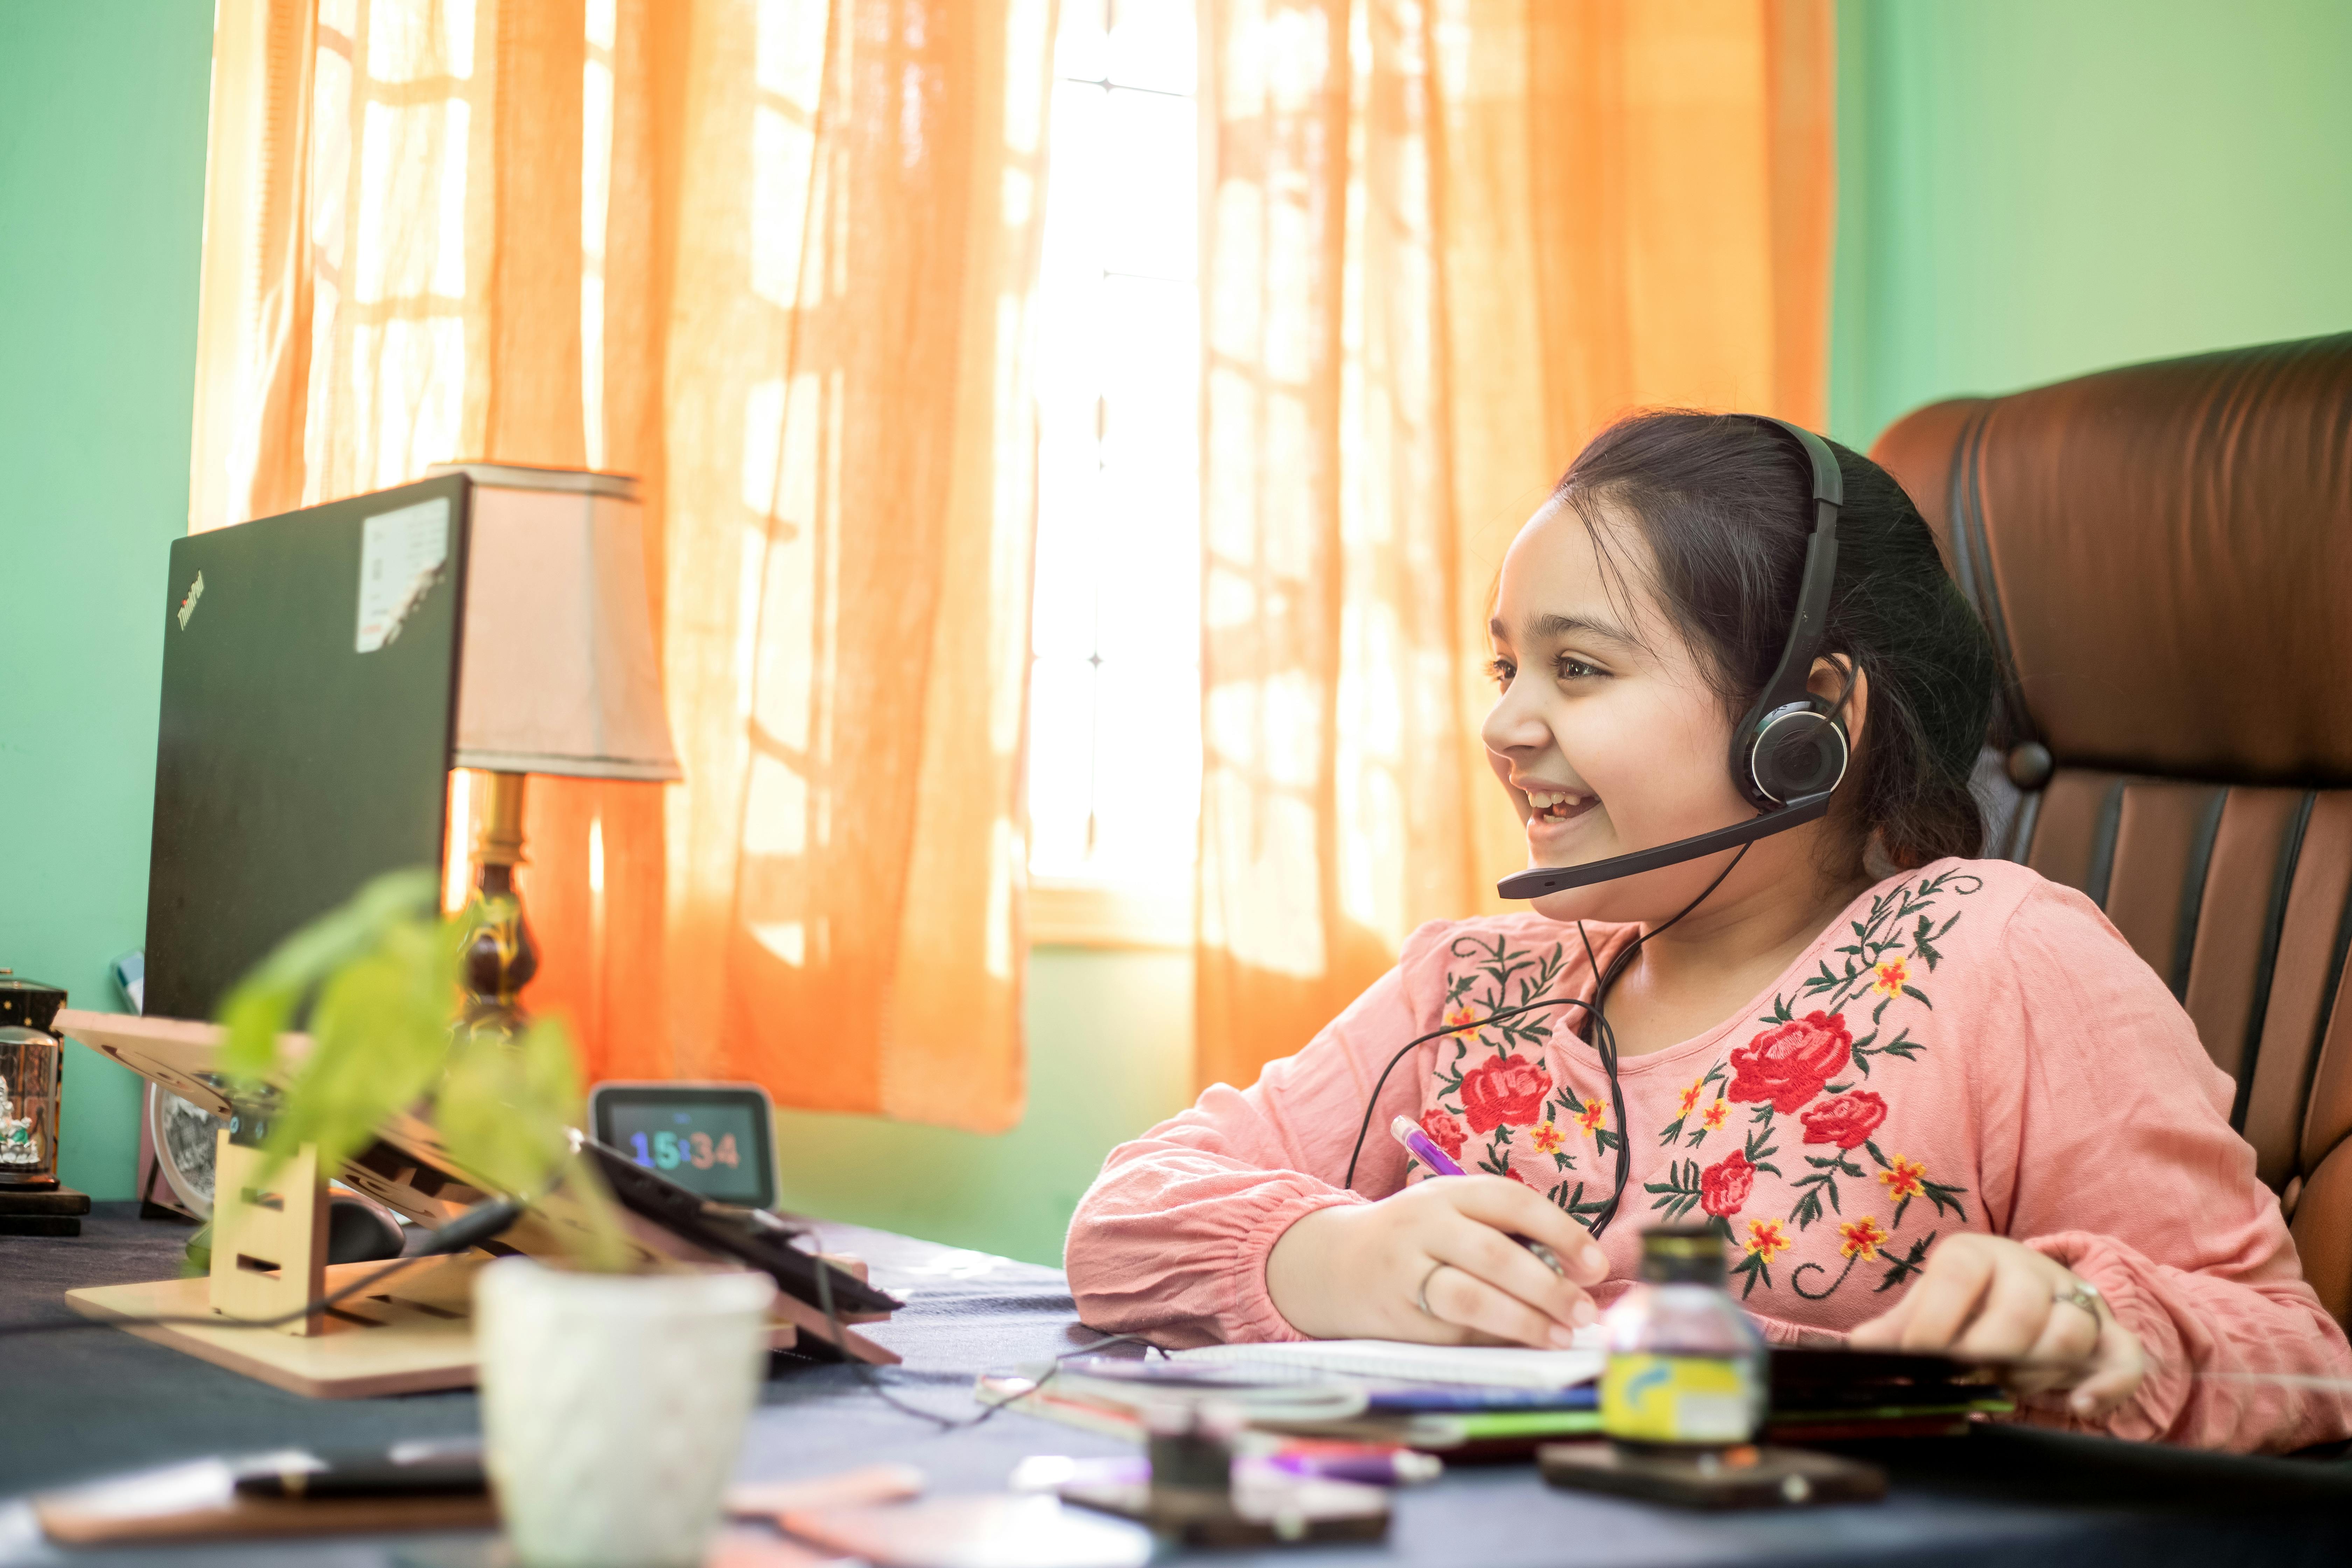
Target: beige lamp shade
557,668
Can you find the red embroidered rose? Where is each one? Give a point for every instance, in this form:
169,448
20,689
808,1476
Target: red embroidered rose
1513,1172
1504,1092
1789,1065
1444,1131
1723,1186
1846,1120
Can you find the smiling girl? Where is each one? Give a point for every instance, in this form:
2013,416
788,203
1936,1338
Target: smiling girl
1928,1101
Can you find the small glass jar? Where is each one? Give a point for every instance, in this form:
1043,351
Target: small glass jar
29,1061
1687,1373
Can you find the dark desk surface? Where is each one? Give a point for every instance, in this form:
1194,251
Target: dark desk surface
78,1406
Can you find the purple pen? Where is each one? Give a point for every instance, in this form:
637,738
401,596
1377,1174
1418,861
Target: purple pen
1406,1130
1422,1147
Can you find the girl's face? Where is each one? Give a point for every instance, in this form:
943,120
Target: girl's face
1607,734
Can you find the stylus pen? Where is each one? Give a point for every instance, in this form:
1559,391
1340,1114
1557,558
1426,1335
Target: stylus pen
1421,1147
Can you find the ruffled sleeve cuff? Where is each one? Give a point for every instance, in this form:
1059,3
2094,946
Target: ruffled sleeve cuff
1251,1314
2120,1274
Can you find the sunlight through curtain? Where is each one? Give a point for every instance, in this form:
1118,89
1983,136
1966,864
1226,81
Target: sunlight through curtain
774,257
1446,241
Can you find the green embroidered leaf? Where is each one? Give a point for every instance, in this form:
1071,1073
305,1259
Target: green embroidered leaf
1753,1268
1900,1269
1913,992
1872,1144
1837,1088
1679,1193
1945,1198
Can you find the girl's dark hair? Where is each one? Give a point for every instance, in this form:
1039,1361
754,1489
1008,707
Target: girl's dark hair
1725,502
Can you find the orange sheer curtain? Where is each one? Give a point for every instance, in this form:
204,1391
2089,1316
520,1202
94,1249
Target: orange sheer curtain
774,257
1446,241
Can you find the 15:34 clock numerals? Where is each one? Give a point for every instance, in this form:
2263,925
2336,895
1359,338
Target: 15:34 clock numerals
668,1150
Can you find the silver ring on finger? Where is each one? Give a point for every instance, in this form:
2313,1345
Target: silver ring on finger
1421,1297
2085,1296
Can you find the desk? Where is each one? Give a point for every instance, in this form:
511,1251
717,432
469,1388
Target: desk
92,1402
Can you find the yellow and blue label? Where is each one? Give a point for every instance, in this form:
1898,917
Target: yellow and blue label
1651,1398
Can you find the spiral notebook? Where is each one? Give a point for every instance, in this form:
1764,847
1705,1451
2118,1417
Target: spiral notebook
1492,1366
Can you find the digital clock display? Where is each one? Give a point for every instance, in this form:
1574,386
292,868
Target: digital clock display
710,1140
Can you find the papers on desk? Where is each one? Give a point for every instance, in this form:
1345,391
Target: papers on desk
1492,1366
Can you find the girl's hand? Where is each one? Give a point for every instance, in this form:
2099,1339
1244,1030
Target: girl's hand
1988,1297
1364,1270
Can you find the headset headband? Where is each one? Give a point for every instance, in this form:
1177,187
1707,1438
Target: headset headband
1797,654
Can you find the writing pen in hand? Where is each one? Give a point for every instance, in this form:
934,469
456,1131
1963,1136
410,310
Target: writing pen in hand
1421,1147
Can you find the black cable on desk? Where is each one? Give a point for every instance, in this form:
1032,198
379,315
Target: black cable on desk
871,1380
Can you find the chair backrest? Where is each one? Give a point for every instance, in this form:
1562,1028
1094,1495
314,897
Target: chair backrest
2163,554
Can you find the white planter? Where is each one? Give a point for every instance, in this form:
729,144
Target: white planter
612,1406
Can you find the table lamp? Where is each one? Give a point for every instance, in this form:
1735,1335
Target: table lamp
557,674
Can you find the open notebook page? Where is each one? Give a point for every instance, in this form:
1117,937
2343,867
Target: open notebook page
1494,1366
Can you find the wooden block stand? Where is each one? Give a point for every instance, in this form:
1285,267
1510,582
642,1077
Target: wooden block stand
412,1332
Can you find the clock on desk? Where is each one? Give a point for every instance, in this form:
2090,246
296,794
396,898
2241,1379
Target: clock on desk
713,1139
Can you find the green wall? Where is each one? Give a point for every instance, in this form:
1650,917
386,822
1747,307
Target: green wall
2030,189
102,108
1110,1052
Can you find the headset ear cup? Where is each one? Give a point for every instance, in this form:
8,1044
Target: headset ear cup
1798,751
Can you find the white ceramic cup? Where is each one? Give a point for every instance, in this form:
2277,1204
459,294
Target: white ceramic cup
612,1406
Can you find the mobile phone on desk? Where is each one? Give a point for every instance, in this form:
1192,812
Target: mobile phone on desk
430,1468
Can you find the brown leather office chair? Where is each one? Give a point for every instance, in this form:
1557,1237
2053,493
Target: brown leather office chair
2163,554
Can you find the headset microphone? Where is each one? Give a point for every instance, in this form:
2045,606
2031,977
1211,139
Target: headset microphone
1538,880
1788,752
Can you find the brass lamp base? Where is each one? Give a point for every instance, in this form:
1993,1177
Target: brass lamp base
501,959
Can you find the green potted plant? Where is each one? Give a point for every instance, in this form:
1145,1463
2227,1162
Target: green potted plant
615,1387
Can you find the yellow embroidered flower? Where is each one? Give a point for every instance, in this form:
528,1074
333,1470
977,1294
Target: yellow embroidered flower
1861,1239
1892,976
1712,1117
1548,1137
1462,1022
1690,1095
1765,1239
1590,1117
1902,1178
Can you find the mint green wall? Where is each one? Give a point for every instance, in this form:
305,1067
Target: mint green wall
1110,1052
2030,189
102,109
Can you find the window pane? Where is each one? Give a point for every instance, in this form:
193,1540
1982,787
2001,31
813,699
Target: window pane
1081,47
1153,43
1149,346
1114,762
1150,215
1061,764
1148,741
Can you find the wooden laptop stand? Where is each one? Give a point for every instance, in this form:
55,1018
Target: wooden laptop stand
414,1330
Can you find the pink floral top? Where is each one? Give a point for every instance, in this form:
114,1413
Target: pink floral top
1967,1046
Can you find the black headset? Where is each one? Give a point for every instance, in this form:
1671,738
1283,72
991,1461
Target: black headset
1789,753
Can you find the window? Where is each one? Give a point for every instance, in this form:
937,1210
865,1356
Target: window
1115,744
